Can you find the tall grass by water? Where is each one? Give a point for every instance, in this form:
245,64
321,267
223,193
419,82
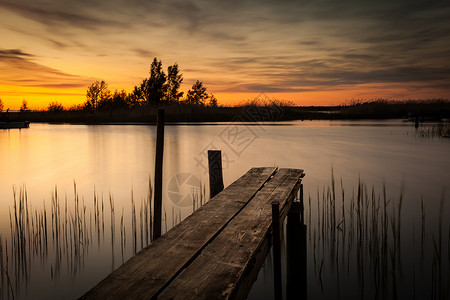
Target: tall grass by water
360,242
362,247
58,237
436,130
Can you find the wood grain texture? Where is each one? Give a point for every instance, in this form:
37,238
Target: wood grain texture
152,269
229,265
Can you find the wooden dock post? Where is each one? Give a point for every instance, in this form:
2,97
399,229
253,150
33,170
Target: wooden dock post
296,287
302,205
215,172
278,294
157,202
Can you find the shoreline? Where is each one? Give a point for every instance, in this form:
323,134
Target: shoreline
179,113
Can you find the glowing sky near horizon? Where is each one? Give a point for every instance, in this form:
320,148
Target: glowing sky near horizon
309,52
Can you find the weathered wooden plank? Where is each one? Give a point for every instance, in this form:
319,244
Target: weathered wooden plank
152,269
229,265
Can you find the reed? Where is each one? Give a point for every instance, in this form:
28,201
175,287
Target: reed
112,222
440,130
122,236
59,238
369,240
141,224
133,223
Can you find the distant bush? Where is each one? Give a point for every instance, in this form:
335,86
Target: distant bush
55,107
263,100
24,106
386,108
76,107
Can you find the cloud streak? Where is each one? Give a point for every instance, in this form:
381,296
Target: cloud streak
17,69
240,46
288,74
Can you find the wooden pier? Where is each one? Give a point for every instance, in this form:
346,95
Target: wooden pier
215,253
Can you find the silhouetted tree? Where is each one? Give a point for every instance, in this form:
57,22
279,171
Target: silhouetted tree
197,94
109,101
55,107
174,80
143,91
77,107
1,105
154,88
105,101
120,99
94,93
24,106
136,97
212,101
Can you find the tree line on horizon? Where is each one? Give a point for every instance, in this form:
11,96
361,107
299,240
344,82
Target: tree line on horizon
159,88
23,107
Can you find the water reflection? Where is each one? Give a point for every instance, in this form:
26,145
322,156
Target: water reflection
88,234
360,246
60,240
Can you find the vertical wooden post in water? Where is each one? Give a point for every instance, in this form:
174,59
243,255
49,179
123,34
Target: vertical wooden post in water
215,172
157,202
276,250
296,287
302,205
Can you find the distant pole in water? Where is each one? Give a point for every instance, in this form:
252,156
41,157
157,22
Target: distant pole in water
215,172
157,202
276,250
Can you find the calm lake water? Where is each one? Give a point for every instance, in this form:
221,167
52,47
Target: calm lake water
101,176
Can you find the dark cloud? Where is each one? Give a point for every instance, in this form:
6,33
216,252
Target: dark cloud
199,16
143,53
44,93
12,54
287,74
62,85
58,44
57,14
17,68
64,16
286,45
268,88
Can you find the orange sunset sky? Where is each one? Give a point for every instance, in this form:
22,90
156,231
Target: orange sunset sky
308,52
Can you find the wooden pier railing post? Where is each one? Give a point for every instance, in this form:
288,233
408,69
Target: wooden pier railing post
157,202
278,294
302,206
296,287
215,172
